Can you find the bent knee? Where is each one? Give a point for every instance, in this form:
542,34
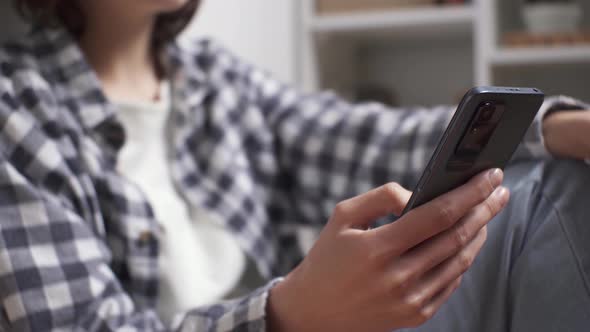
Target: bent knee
565,182
556,180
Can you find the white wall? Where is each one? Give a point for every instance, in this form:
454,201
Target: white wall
261,31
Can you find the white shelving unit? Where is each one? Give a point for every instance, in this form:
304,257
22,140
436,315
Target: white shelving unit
541,56
423,18
431,55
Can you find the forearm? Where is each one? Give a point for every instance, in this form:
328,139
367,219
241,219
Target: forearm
541,140
352,148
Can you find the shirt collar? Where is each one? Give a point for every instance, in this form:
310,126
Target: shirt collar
75,82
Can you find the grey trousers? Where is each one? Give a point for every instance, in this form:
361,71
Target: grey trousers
533,274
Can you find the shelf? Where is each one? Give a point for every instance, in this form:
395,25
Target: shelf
541,55
434,19
401,49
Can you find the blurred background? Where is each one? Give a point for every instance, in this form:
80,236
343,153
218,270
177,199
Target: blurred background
426,52
402,52
410,52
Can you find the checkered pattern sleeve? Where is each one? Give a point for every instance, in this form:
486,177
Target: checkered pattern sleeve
55,269
337,149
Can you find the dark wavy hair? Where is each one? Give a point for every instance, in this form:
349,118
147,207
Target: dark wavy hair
67,13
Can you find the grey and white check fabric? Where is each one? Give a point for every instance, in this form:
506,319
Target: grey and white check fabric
79,243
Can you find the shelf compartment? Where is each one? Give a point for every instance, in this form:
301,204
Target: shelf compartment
327,7
436,18
541,55
558,79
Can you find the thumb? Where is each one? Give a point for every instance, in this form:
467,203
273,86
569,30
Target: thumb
361,211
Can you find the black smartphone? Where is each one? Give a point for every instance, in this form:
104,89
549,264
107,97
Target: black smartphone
486,129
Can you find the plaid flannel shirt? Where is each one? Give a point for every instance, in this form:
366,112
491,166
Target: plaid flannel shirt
79,243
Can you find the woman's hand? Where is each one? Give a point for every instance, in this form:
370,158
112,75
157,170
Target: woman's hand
567,134
390,277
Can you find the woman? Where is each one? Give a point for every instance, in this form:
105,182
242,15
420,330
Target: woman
140,180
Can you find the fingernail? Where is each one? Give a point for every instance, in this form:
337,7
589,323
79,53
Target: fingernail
496,176
502,194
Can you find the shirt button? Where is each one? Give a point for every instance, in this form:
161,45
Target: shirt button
145,238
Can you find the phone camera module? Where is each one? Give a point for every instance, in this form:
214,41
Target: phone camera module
480,130
486,112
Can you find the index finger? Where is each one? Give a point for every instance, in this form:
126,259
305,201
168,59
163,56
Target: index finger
438,215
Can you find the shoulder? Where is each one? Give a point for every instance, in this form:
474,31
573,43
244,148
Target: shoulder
27,99
22,82
223,68
28,65
210,56
21,59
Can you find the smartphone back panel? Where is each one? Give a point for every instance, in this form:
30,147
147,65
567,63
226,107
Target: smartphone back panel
485,131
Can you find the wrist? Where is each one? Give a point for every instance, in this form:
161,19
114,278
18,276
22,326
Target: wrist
549,134
560,130
279,312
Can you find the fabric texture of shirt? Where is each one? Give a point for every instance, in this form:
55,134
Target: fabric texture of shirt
200,262
79,242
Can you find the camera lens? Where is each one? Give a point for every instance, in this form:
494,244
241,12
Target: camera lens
486,112
480,131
